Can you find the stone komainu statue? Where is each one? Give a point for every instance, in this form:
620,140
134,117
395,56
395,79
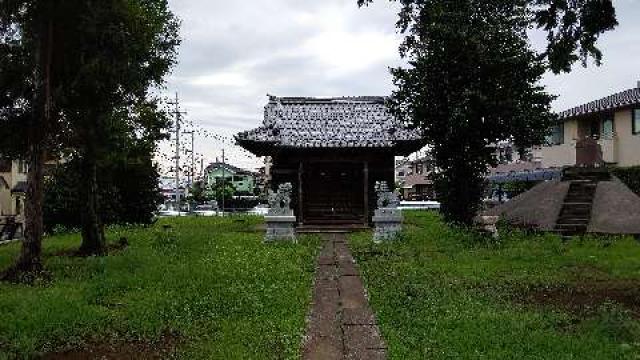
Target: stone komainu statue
280,200
386,198
387,218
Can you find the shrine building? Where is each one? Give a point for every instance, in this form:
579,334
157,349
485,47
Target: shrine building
332,150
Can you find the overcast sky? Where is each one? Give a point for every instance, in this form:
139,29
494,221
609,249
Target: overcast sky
233,54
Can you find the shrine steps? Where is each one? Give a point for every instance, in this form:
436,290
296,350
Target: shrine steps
330,228
575,214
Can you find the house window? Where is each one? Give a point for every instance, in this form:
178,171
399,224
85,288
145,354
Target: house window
607,128
635,121
556,135
22,167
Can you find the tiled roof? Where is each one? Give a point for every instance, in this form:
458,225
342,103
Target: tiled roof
415,179
343,122
228,167
611,102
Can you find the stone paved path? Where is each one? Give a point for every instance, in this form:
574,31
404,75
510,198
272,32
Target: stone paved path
341,324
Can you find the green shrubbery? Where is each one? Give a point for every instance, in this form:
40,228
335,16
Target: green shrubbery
630,176
128,194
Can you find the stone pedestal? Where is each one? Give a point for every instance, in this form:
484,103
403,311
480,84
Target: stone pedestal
487,224
388,224
280,227
280,219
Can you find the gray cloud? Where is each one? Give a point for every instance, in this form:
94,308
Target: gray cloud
234,53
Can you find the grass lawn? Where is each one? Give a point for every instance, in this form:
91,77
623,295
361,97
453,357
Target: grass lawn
442,293
206,288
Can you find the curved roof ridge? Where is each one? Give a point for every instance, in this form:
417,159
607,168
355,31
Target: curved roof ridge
615,101
325,100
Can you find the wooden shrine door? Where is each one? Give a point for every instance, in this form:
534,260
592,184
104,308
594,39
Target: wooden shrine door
333,192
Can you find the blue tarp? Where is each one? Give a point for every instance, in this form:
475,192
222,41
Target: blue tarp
536,175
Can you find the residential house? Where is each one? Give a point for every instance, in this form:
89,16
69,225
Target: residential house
13,188
412,176
613,121
243,181
333,151
13,185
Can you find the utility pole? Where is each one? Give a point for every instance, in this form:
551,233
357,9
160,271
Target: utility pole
177,113
191,173
223,179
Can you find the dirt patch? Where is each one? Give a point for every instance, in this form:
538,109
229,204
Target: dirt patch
587,297
162,348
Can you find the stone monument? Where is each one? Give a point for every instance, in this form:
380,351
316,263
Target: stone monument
387,218
280,219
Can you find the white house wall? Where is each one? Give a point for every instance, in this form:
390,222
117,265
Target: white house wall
628,145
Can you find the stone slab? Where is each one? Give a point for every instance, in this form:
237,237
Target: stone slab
323,349
359,316
347,268
326,271
342,252
362,337
366,354
280,219
341,325
352,292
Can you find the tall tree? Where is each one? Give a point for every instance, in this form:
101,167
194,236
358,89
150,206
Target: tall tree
28,115
116,52
72,73
473,79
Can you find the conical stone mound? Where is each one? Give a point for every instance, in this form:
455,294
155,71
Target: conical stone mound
537,208
613,208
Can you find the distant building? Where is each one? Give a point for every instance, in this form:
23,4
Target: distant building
167,187
413,178
332,150
243,181
13,187
613,121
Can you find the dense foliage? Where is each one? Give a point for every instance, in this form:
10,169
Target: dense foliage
516,187
473,77
201,192
76,77
630,176
128,193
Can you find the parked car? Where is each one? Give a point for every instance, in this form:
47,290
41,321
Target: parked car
419,205
171,212
260,210
205,210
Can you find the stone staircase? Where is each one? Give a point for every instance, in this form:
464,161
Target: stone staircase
575,213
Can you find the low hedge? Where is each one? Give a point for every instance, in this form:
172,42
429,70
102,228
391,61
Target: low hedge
630,176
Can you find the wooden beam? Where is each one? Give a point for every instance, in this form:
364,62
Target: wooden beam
300,207
366,192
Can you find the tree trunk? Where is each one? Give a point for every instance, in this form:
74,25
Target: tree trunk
93,240
29,260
